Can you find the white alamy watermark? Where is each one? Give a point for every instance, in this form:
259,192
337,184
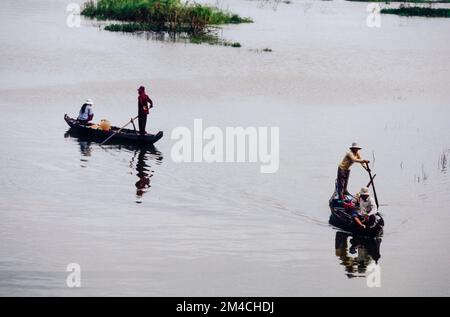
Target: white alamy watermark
231,145
73,19
373,20
373,278
74,277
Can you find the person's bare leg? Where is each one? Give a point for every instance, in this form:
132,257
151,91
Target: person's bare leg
358,221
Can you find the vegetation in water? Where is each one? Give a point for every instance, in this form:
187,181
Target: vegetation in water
172,16
264,50
418,12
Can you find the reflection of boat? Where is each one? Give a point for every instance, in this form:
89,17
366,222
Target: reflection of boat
125,136
357,253
341,218
140,161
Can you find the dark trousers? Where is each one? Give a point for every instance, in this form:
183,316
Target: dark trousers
142,123
342,181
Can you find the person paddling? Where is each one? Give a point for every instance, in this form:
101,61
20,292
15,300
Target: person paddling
144,104
86,114
343,172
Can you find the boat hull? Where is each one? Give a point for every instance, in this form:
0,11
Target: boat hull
341,218
125,136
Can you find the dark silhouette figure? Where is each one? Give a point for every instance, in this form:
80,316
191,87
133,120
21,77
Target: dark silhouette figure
356,257
143,169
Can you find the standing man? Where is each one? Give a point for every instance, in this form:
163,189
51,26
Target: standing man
144,104
343,172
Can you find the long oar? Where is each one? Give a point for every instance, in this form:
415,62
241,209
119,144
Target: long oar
373,184
108,138
370,183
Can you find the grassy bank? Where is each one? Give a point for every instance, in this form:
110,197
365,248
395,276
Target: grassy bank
172,16
418,12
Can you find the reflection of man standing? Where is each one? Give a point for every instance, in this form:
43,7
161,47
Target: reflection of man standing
143,173
144,104
366,251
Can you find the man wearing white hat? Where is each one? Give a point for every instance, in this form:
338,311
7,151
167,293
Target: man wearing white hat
86,114
367,207
343,173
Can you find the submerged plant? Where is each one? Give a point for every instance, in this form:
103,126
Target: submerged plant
418,11
444,160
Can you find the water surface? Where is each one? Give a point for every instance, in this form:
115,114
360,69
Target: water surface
140,224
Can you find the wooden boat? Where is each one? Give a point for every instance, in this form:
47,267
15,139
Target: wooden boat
96,134
341,218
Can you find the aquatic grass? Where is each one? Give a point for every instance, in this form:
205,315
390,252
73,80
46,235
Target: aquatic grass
444,161
171,16
130,27
212,39
264,50
141,27
235,44
418,12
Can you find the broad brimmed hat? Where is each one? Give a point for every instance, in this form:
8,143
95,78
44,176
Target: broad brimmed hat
89,102
355,146
364,192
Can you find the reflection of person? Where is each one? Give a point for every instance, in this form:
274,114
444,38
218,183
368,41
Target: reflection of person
365,249
343,173
144,104
85,148
143,173
86,114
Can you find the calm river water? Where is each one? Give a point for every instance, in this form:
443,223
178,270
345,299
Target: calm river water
140,224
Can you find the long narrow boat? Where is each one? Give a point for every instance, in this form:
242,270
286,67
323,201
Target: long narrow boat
125,136
341,218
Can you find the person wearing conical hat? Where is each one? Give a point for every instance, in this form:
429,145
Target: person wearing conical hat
367,207
86,114
343,172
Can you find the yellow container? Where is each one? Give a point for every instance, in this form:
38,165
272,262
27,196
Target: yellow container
105,125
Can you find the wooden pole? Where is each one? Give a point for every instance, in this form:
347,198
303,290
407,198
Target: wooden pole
370,183
373,184
134,127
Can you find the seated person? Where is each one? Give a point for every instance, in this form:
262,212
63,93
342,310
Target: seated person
86,114
367,207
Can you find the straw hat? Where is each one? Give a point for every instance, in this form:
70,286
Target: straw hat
89,102
364,191
355,146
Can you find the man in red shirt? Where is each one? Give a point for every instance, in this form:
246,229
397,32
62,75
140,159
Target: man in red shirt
144,104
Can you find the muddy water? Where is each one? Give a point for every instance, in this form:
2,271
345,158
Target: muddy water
140,224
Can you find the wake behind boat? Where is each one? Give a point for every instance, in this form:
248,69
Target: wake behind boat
116,135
